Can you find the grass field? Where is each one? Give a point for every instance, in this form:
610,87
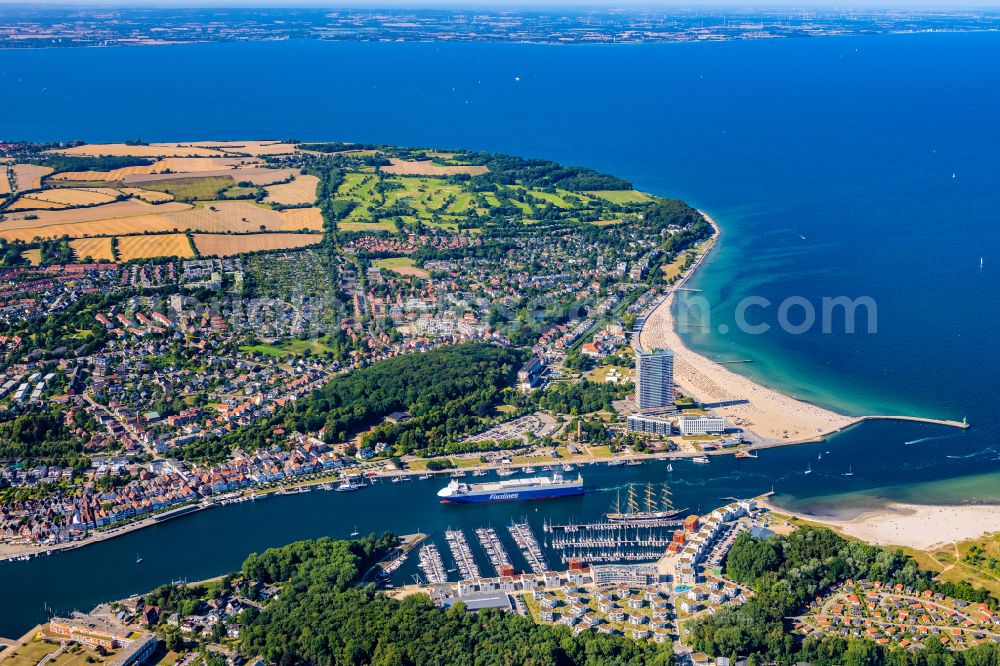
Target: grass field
30,654
191,188
161,245
384,225
402,265
289,348
225,245
151,196
95,248
33,256
302,190
621,196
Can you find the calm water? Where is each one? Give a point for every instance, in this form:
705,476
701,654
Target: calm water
855,167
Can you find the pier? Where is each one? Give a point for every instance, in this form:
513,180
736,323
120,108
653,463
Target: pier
526,541
495,550
462,553
431,564
616,526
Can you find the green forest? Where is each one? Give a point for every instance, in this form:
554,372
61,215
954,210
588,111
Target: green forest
321,619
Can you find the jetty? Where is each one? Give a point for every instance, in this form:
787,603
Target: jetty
495,550
462,553
532,551
432,565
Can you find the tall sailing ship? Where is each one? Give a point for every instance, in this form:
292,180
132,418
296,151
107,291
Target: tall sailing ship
652,506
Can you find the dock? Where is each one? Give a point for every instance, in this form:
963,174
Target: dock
432,565
617,526
495,550
526,541
462,553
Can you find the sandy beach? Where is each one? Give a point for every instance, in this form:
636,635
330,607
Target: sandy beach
918,526
772,416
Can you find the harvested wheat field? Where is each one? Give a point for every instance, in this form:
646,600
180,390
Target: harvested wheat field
250,174
161,245
152,196
95,248
4,180
34,257
174,164
243,217
112,210
75,196
226,245
137,224
243,147
122,150
302,190
27,203
408,168
29,176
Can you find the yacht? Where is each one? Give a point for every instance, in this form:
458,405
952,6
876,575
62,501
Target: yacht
347,486
850,471
670,467
701,460
809,469
424,477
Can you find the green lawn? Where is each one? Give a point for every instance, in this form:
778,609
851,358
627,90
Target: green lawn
621,196
206,188
288,348
402,265
384,225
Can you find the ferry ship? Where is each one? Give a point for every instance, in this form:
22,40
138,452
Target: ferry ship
539,487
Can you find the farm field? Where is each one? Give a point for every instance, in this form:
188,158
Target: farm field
27,203
242,216
95,248
71,196
207,187
255,148
29,176
160,245
134,216
428,168
401,265
34,257
4,180
123,150
175,164
255,175
152,196
302,190
225,245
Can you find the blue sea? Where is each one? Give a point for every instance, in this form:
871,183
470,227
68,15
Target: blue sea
858,167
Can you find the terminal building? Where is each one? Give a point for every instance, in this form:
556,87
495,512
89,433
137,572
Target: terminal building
701,425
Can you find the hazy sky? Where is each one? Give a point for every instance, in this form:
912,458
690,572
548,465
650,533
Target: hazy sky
520,4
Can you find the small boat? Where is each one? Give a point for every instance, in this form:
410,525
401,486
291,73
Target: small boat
457,475
405,478
529,470
615,463
506,471
424,477
850,471
670,467
567,467
633,463
819,457
348,486
702,460
138,560
479,472
355,532
396,479
809,469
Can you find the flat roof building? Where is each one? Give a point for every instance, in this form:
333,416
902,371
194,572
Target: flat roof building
654,379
